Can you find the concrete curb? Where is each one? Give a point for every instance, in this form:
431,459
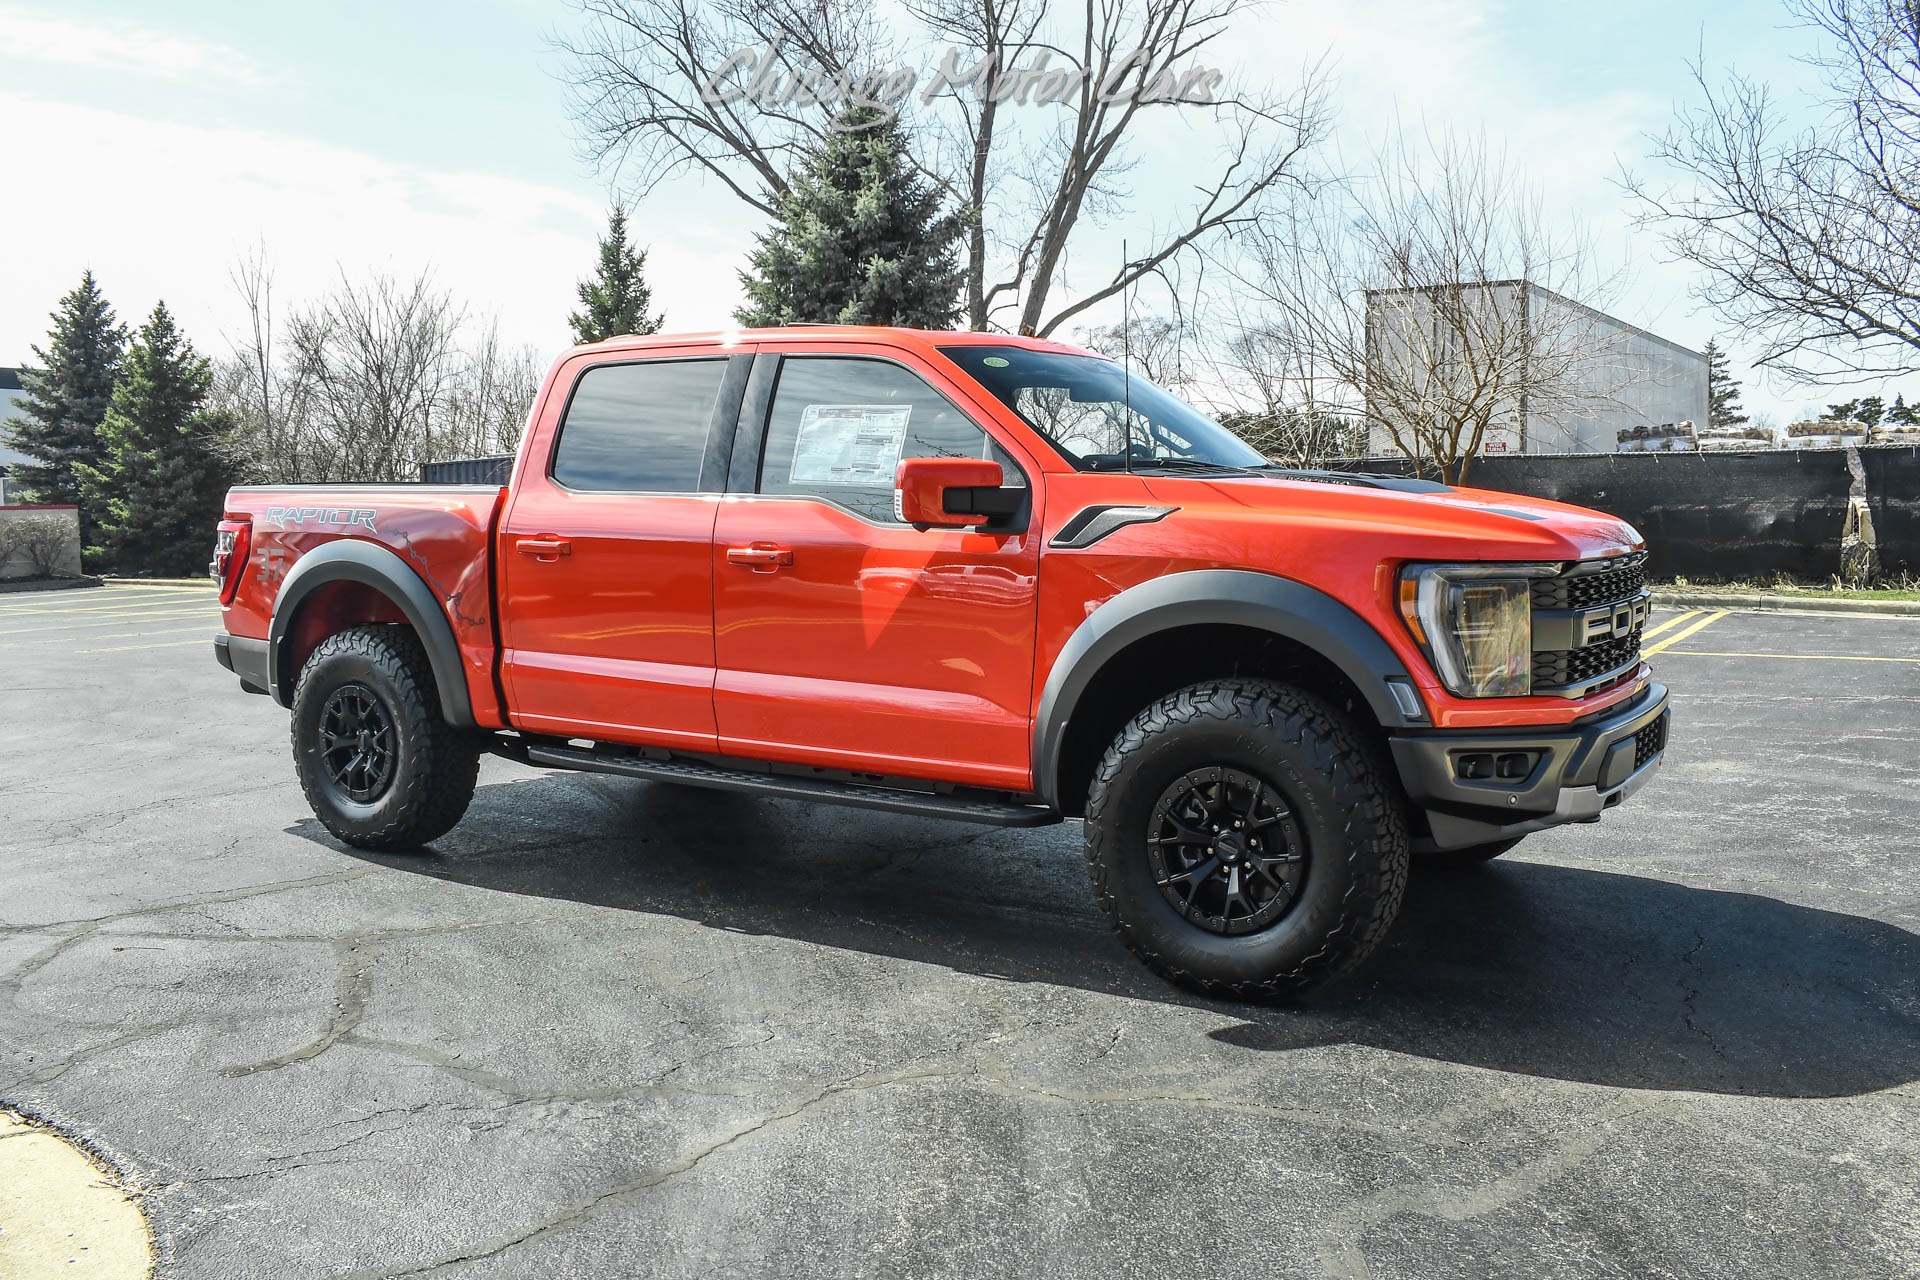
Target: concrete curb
48,584
1783,604
65,1208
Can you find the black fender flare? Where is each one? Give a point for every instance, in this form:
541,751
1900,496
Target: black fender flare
1200,597
369,563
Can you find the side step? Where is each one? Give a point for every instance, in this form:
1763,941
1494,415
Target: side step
926,804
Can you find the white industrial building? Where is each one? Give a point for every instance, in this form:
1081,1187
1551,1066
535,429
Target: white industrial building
11,394
1611,376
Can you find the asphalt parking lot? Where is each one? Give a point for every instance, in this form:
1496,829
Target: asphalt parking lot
607,1028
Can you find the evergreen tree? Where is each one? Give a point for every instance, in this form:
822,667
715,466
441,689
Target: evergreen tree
861,239
1723,393
1902,413
1867,412
615,301
66,399
157,494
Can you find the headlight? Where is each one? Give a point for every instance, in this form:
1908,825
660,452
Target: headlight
1475,622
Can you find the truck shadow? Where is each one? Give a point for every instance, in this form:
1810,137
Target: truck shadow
1523,967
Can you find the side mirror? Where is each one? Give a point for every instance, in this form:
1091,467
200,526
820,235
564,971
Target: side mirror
948,493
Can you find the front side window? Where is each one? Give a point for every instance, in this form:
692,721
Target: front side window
840,426
1098,416
638,428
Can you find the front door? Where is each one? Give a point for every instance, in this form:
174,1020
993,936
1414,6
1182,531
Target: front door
844,638
606,553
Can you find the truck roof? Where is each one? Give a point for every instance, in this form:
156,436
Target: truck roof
918,339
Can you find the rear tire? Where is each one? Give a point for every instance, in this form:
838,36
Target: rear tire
380,767
1228,757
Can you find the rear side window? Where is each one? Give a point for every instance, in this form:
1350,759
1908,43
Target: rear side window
840,426
638,428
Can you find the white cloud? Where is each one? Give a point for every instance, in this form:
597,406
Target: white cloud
161,210
117,47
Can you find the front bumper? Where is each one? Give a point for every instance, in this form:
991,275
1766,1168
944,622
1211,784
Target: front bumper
1476,788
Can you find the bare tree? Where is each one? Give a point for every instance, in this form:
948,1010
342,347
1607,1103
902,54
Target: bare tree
1433,295
1031,178
1808,242
379,361
1159,348
492,396
370,381
1281,403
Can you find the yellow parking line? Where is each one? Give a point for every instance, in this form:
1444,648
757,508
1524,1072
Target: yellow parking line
1669,624
206,638
104,609
44,641
112,620
1791,657
1678,636
103,600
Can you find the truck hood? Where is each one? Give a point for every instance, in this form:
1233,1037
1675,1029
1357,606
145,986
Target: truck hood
1437,520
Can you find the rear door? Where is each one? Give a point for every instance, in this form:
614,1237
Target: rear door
843,637
605,553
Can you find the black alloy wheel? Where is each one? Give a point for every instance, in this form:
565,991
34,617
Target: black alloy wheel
378,761
1247,838
1227,850
357,743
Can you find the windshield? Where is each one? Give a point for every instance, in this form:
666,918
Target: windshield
1096,415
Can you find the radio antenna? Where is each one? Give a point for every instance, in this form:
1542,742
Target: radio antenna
1126,367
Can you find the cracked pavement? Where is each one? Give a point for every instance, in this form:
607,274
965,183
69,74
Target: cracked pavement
607,1028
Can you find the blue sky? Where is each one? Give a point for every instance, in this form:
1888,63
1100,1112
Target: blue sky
159,144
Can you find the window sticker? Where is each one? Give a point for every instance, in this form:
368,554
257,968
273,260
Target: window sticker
849,444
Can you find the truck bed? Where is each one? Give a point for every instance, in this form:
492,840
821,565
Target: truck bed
441,532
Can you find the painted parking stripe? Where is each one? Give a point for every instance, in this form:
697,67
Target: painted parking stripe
40,644
37,599
1669,624
117,606
113,620
1678,636
206,638
131,626
113,600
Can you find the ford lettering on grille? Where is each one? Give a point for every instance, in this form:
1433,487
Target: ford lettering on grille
1594,643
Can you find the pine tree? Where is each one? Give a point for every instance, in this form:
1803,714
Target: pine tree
67,397
1867,411
156,495
615,301
1903,414
861,239
1723,393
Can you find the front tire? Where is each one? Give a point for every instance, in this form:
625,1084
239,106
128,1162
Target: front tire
1245,841
379,766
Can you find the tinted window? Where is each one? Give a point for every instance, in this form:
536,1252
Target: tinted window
638,428
840,426
1098,415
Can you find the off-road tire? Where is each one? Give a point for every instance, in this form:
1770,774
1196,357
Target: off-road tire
1348,806
1471,856
433,764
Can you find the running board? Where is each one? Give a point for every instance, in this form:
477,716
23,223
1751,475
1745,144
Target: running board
925,804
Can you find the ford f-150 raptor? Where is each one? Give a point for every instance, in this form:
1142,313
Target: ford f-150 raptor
971,576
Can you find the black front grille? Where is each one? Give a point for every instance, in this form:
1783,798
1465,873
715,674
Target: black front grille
1553,668
1588,586
1650,741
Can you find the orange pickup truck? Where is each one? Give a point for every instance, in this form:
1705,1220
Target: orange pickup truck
968,576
